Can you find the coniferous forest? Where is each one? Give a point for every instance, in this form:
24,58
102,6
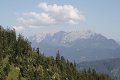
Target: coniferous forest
19,61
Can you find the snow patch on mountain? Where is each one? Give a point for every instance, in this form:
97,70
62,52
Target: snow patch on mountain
40,36
63,37
72,36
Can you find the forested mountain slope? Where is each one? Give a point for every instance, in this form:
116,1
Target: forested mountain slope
108,66
18,61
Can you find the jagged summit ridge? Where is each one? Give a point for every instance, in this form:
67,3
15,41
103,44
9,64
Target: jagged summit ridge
41,36
63,36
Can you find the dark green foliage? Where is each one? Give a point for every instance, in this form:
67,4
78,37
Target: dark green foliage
17,56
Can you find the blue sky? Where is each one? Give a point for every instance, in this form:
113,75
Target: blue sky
101,16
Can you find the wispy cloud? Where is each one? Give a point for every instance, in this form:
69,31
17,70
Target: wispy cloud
35,19
18,28
51,14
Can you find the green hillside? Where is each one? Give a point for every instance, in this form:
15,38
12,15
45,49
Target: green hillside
18,61
107,66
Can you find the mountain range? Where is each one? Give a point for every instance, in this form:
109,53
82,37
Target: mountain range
76,45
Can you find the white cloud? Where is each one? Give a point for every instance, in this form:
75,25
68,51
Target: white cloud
35,19
63,13
67,11
51,15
